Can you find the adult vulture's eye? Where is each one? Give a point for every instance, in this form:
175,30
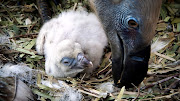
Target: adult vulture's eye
132,22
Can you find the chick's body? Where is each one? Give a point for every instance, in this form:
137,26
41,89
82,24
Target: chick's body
73,35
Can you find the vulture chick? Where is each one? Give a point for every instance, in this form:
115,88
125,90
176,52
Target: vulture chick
73,42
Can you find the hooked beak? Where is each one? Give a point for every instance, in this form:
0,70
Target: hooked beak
129,67
82,62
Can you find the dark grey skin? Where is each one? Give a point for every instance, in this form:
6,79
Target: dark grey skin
130,26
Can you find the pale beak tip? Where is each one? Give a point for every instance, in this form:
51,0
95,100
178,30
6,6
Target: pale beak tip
90,64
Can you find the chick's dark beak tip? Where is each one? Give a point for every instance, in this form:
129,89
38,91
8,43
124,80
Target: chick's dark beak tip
86,63
82,62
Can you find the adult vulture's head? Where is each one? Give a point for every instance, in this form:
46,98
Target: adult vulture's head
130,26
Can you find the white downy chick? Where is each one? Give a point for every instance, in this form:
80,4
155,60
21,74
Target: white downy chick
71,43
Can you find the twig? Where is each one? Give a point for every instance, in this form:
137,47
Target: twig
177,78
10,51
24,36
83,77
107,66
138,92
164,56
75,5
3,58
108,72
90,92
85,92
99,80
161,97
174,64
172,86
158,82
29,29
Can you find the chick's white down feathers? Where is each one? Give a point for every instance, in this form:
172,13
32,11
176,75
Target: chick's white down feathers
69,34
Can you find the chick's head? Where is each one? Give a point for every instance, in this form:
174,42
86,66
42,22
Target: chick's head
66,59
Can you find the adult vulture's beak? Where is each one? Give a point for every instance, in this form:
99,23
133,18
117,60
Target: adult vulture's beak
130,26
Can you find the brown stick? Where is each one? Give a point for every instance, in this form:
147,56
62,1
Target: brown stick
159,82
25,36
138,92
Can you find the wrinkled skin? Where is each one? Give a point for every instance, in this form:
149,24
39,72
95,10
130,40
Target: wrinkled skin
130,26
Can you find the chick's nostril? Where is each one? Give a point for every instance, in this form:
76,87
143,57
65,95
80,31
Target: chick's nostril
80,56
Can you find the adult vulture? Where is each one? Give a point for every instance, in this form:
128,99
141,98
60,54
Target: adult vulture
130,26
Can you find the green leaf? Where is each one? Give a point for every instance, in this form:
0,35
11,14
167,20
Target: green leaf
16,29
170,10
178,27
25,51
31,44
43,94
43,87
163,12
36,57
176,20
19,20
167,18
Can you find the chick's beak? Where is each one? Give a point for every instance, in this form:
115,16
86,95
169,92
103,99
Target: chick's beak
82,62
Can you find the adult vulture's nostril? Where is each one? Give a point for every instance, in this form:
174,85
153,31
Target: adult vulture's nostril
137,58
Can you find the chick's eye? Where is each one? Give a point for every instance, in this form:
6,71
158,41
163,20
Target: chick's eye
132,22
66,61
